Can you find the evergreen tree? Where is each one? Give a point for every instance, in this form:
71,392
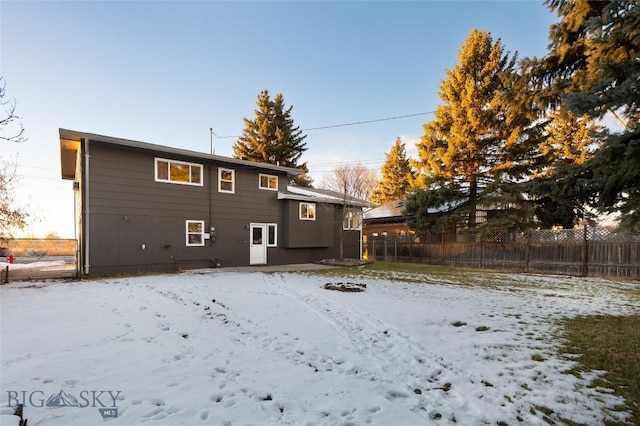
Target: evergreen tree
594,67
482,140
397,176
272,137
570,141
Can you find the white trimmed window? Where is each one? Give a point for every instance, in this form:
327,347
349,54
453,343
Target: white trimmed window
226,180
352,220
180,172
268,182
272,234
195,233
307,211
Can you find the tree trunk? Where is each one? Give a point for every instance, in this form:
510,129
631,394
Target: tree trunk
473,197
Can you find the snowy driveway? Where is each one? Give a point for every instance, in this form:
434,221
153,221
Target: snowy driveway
231,348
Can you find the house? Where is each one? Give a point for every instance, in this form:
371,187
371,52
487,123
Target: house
144,207
386,222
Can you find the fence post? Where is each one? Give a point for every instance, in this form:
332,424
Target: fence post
481,249
442,247
6,276
527,249
384,245
411,250
395,250
585,252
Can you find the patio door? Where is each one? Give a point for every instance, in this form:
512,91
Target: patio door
258,244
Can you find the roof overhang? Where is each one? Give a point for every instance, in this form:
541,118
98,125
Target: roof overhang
68,149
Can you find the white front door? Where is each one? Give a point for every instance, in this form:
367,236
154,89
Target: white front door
258,244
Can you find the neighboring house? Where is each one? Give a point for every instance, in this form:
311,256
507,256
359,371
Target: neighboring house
386,222
145,207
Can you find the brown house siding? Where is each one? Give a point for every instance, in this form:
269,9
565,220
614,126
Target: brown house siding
129,210
135,224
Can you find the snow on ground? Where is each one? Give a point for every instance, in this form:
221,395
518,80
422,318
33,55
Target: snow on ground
42,264
233,348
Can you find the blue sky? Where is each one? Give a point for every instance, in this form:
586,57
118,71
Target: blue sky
165,72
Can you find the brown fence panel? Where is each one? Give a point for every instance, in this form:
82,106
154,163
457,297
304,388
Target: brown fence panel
25,247
509,256
617,259
466,255
556,258
582,251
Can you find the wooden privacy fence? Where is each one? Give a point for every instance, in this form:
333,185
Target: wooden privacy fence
586,251
34,247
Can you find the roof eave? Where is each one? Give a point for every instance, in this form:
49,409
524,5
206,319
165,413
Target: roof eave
73,135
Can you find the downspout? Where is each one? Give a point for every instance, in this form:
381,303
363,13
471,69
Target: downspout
85,193
361,242
210,183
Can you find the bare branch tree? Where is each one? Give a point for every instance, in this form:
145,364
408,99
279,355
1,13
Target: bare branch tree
355,183
14,131
11,217
351,180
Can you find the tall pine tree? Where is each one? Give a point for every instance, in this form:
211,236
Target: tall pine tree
593,67
482,141
272,137
397,175
569,141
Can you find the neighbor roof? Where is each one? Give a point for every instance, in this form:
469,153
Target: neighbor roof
392,209
70,143
319,196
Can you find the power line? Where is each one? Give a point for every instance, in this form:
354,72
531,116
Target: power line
355,123
335,163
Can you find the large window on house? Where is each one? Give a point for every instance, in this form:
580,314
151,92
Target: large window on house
181,172
269,182
352,220
272,234
226,180
195,233
307,211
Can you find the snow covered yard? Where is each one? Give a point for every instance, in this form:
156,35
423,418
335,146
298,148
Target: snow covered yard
231,348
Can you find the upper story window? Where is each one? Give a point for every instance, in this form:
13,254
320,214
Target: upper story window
269,182
307,211
226,180
181,172
352,220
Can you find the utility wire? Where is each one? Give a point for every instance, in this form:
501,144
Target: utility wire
355,123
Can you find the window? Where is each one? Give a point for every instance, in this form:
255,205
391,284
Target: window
269,182
307,211
195,232
272,234
226,180
181,172
352,220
